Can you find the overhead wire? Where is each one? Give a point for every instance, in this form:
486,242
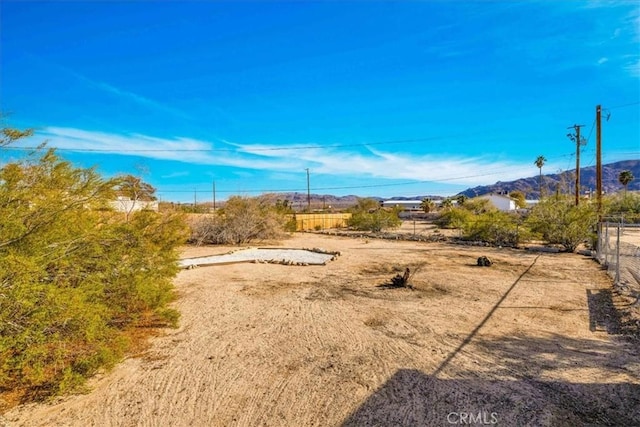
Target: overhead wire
585,146
403,183
630,104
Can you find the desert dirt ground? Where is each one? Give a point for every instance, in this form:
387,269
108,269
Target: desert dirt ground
529,341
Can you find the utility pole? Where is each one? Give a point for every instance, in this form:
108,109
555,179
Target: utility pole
214,196
579,143
599,159
308,192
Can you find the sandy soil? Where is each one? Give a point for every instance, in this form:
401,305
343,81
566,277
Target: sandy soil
529,341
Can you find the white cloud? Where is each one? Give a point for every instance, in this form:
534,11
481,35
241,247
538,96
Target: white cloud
179,149
603,60
282,159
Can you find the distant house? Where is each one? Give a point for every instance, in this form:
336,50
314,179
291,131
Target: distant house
501,202
125,204
406,205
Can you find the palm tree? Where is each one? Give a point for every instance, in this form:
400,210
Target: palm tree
540,161
625,179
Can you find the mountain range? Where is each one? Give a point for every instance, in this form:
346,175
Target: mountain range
564,181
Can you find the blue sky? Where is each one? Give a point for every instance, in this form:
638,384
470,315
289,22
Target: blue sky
374,98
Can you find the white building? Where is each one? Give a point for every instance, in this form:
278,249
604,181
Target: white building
406,205
501,202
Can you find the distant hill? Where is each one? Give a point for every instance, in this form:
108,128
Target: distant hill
320,201
529,186
566,181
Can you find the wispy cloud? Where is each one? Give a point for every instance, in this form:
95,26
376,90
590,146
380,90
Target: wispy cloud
138,99
605,4
615,32
110,89
179,149
175,174
373,163
633,67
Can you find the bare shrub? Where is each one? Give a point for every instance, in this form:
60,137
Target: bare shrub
242,220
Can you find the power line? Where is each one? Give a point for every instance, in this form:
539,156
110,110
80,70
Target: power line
291,190
588,138
348,187
623,105
593,125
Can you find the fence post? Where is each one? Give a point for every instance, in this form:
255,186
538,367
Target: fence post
598,241
606,244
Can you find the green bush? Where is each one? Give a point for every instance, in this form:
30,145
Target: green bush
368,216
454,218
625,206
74,275
495,227
478,220
559,221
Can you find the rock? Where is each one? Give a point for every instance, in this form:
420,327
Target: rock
484,261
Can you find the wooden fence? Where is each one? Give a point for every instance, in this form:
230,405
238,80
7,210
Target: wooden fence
320,221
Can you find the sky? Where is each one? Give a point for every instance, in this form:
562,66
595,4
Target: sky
372,98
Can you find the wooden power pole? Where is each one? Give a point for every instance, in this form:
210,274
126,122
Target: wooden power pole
599,158
214,196
579,143
308,192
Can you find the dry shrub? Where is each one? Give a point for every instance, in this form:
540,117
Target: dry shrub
242,220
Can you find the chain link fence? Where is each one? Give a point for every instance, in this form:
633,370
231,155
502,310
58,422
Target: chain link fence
618,249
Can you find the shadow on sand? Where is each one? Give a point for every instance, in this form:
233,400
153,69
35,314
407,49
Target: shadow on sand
412,398
515,385
516,390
